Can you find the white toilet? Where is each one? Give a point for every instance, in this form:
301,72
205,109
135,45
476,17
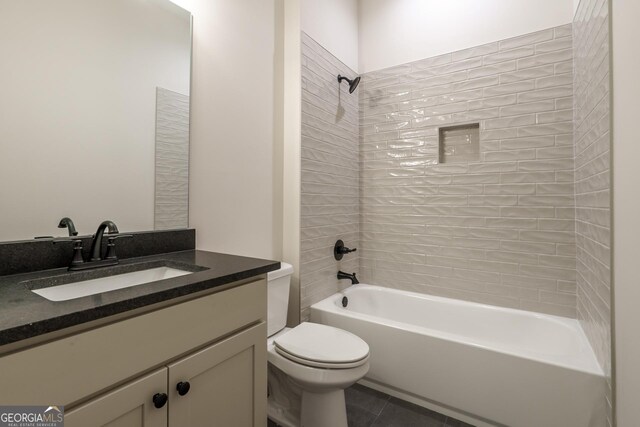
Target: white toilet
309,365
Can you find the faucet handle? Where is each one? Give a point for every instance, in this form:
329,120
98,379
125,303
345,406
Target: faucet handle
77,249
339,250
77,253
111,244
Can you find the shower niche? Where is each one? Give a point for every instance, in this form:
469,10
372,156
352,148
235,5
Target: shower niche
460,143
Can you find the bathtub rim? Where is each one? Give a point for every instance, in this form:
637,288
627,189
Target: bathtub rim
592,367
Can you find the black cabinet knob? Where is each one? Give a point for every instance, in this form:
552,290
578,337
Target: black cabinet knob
183,387
160,399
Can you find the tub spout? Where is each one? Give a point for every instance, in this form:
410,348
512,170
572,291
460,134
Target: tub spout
352,277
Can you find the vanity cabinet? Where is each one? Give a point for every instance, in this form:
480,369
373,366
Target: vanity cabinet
109,375
217,388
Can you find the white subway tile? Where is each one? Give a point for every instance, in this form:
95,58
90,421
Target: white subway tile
546,58
528,212
548,93
508,55
489,70
527,74
510,122
550,273
475,51
563,31
545,200
547,236
521,87
555,116
546,129
553,45
527,39
532,107
553,81
510,155
510,189
530,247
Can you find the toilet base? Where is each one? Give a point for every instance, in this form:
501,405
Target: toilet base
284,399
289,405
323,409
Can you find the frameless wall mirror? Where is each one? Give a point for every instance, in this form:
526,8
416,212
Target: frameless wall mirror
94,115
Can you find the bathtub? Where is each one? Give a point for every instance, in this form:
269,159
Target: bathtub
482,364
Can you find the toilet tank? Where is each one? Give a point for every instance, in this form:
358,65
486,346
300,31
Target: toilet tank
278,284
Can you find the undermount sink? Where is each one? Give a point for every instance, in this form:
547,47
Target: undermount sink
85,288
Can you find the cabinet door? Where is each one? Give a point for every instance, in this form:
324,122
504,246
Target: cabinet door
227,383
128,406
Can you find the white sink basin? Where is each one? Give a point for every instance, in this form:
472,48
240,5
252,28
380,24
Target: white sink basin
106,284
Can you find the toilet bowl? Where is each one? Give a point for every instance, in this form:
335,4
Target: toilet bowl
309,365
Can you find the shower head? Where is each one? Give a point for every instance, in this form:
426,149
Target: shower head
353,84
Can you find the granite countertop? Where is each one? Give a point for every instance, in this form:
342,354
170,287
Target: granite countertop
24,314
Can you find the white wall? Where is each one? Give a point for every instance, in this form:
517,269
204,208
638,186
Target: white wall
333,24
234,190
78,110
626,208
393,32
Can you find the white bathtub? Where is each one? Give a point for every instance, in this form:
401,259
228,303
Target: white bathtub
486,365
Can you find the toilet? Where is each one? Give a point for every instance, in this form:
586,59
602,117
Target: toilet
309,365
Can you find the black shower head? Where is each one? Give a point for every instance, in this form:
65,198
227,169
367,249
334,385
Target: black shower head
353,84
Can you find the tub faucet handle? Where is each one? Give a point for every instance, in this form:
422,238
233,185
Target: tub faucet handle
339,250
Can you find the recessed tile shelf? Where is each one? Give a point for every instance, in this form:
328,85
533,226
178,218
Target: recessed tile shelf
459,143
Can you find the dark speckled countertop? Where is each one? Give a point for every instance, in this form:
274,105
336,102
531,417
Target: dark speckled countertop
24,314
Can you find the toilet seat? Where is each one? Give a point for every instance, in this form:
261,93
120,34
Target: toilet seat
322,346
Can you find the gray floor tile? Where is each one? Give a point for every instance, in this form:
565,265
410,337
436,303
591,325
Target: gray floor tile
365,398
398,413
370,408
451,422
358,417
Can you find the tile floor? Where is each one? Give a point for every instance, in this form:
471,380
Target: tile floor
371,408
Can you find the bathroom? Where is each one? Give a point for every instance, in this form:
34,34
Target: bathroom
476,161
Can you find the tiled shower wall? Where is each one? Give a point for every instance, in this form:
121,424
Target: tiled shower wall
593,181
499,228
329,207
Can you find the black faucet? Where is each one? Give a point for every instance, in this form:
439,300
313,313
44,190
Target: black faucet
66,222
352,277
96,259
96,245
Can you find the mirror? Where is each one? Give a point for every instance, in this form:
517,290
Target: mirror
94,115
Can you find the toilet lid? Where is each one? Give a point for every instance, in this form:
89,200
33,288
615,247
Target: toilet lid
322,346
